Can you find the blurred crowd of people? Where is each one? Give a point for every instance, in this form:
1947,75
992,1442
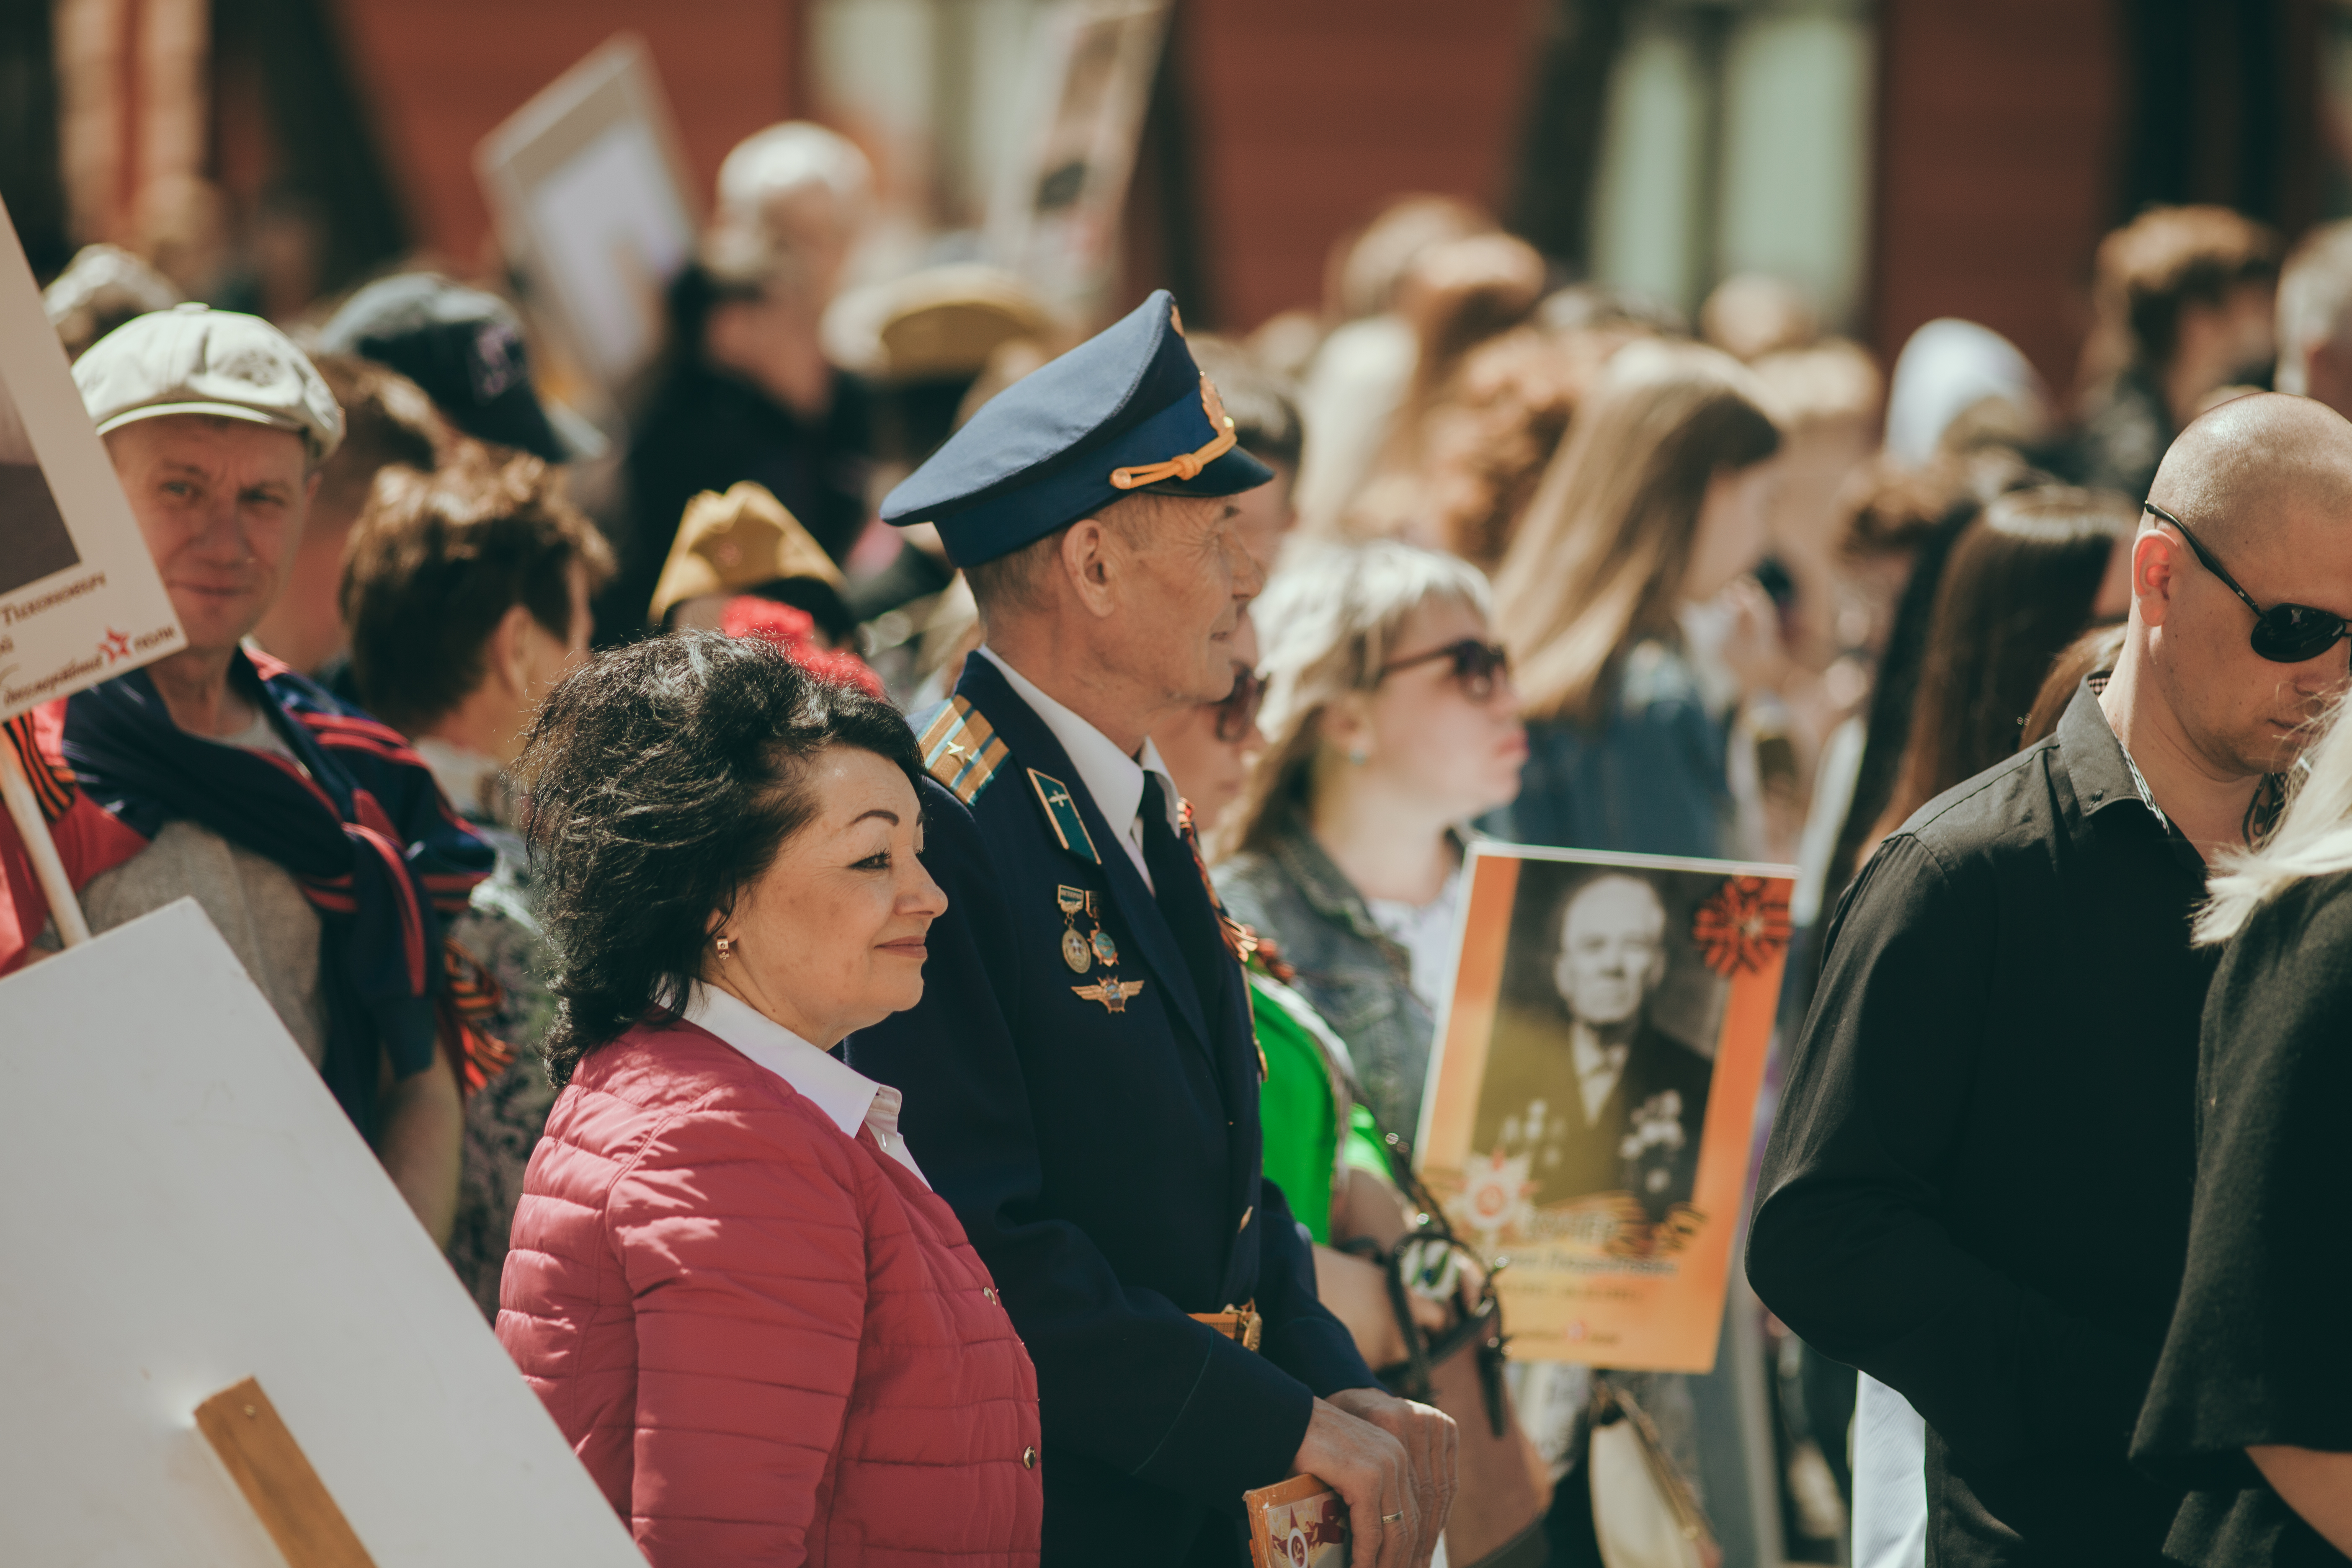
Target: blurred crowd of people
1542,561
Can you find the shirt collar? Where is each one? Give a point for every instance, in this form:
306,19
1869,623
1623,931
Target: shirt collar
2095,762
1592,1057
848,1098
2101,773
472,781
1326,888
1113,778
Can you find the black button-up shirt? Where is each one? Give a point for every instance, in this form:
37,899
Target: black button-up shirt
1978,1188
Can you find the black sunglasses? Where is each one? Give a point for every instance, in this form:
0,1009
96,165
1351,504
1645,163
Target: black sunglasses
1238,711
2284,633
1476,665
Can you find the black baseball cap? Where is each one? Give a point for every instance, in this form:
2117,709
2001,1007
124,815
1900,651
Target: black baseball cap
464,348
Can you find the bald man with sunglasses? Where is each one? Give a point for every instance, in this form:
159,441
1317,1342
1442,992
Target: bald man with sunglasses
1978,1188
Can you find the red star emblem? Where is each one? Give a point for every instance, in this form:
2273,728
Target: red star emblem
114,646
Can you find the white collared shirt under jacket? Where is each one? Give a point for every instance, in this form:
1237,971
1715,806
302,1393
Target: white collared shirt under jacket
1113,778
848,1098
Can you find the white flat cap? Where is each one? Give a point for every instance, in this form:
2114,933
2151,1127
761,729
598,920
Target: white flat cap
194,359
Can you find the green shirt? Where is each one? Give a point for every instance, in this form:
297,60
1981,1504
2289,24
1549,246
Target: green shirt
1298,1105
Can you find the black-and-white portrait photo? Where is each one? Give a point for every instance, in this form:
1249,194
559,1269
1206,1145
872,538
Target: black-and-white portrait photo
1596,1073
33,538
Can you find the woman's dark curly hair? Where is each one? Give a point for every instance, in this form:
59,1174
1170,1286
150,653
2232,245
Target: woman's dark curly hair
659,781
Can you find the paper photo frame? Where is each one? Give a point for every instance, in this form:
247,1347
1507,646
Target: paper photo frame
79,598
588,190
231,1345
1055,215
1591,1099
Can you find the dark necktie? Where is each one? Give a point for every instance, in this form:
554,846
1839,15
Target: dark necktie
1183,899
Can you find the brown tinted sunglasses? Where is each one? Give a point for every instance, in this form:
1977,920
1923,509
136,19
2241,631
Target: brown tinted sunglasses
1238,711
1476,664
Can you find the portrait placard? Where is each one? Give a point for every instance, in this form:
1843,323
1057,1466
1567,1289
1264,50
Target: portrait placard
80,599
587,187
198,1212
1055,215
1591,1098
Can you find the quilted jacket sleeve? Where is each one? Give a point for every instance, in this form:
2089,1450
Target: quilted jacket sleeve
743,1250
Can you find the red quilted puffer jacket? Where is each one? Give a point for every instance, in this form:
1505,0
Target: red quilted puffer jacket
768,1344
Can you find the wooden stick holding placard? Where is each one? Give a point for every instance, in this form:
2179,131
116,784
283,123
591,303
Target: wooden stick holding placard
47,867
275,1475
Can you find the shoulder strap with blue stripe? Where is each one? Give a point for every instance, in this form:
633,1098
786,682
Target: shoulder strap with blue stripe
961,749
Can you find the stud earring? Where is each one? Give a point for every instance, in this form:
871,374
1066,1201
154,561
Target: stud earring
726,946
1358,755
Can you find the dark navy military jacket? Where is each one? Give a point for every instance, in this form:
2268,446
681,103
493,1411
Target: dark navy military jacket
1103,1155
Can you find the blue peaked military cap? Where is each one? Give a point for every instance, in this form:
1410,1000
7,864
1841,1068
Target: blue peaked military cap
1124,411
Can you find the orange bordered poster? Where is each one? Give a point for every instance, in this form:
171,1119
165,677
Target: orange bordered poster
1591,1098
1298,1523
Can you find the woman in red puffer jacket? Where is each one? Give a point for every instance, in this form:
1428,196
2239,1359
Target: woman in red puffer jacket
762,1333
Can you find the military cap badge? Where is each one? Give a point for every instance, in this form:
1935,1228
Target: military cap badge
1128,409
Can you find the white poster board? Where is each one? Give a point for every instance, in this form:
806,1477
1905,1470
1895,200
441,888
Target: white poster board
189,1208
80,599
588,192
1055,213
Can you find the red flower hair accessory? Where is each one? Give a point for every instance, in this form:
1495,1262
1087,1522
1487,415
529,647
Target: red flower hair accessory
792,630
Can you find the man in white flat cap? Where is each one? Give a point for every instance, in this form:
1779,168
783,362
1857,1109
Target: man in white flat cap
311,837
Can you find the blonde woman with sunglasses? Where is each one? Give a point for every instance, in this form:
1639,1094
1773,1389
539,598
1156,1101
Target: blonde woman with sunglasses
1390,723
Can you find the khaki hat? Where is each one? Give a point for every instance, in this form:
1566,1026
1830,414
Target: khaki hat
942,323
728,543
194,359
947,322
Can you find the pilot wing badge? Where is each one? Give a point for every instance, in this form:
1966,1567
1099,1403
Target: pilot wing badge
1112,992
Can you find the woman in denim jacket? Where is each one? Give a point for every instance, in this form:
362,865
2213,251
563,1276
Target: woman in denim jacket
1390,720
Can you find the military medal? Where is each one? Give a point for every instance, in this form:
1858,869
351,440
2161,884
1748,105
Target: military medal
1077,952
1081,950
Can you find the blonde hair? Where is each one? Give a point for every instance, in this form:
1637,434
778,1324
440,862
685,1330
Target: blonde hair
1328,622
1599,563
2314,299
1832,381
2313,838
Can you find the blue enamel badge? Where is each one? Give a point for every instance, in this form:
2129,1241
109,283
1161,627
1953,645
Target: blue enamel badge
1063,813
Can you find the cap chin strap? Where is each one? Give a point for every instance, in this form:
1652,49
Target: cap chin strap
1184,465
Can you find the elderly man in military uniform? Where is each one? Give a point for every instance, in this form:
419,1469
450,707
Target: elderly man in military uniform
1084,1078
1600,1097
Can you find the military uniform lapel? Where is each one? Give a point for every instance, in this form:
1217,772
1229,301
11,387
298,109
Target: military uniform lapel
1033,747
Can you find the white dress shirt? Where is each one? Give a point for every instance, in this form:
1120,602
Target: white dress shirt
472,781
1890,1480
1109,774
849,1099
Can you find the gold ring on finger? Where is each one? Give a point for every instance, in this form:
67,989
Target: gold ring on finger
1392,1517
